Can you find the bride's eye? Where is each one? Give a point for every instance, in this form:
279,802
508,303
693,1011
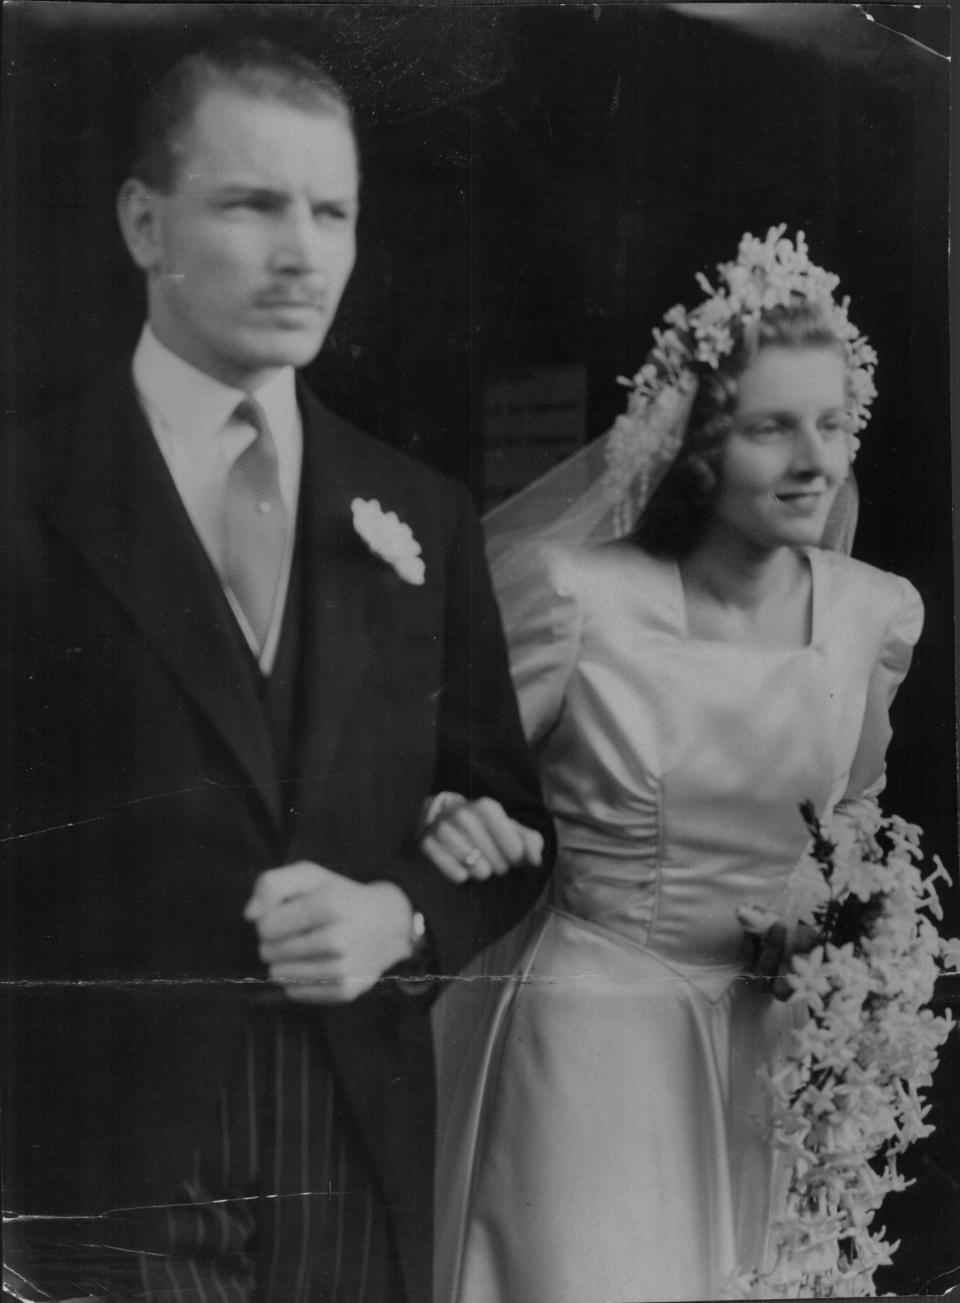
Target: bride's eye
836,423
768,428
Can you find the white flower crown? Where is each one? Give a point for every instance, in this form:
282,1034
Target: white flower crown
767,274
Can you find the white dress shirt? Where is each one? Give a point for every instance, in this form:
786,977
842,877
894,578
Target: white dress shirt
190,415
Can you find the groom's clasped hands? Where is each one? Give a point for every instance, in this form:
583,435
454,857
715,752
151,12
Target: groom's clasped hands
324,937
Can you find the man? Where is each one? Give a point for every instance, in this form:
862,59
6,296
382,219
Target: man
249,643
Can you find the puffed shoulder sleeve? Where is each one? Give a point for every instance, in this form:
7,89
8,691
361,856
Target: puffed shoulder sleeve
890,668
903,633
541,611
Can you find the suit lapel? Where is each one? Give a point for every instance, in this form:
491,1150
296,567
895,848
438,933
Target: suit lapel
336,643
119,507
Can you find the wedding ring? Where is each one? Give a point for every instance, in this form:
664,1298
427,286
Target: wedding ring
471,858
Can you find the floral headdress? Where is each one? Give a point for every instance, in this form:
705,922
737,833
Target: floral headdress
767,274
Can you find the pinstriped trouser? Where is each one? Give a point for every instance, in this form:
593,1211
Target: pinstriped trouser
281,1206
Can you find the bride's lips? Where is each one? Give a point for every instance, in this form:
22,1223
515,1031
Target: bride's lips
801,500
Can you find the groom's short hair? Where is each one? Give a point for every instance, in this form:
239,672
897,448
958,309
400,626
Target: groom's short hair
255,67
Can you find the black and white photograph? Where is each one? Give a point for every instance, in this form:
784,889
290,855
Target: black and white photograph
478,589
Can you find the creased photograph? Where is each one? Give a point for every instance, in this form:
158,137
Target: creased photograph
479,792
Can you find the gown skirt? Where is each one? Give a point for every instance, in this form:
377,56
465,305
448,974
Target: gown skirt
598,1092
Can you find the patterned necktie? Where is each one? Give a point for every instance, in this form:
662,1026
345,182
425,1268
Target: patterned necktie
254,524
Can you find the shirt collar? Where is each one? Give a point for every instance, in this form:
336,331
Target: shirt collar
193,407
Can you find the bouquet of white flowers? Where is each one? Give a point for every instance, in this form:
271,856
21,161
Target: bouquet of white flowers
848,1099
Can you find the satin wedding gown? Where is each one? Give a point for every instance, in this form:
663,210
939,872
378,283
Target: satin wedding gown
602,1124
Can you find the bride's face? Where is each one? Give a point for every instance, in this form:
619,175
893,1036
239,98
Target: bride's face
787,452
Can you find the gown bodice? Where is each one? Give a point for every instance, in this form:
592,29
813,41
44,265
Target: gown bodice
675,766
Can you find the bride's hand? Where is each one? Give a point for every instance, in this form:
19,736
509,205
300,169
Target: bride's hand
474,839
776,944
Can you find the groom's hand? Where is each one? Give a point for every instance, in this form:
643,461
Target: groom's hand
325,938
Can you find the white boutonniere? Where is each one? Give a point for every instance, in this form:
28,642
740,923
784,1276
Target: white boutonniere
389,538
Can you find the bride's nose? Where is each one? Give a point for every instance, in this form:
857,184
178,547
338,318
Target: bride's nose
810,451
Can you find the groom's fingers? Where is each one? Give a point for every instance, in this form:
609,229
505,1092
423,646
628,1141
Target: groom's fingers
312,984
317,945
276,887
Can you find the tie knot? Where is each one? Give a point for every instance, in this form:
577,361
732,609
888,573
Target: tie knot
249,412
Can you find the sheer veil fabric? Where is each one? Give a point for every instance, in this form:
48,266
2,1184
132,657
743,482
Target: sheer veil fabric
572,504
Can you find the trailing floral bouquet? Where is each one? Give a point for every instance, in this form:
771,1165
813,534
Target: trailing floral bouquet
847,1100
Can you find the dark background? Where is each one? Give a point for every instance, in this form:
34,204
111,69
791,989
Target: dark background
540,184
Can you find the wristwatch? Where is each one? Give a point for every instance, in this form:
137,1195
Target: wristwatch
412,976
418,935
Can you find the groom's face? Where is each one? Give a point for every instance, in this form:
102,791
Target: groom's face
248,255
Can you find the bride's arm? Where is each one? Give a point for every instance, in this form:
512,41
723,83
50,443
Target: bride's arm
867,777
541,617
776,941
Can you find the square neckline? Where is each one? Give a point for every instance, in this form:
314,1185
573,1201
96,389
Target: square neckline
812,557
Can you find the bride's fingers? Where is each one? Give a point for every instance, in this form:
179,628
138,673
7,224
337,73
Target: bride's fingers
532,843
489,825
466,833
776,946
477,838
804,940
756,919
782,984
445,860
460,848
800,942
773,950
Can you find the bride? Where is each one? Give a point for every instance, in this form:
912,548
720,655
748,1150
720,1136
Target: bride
691,666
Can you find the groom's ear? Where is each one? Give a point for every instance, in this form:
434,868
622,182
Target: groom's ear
138,212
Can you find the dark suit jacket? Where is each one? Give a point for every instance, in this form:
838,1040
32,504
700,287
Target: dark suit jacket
142,796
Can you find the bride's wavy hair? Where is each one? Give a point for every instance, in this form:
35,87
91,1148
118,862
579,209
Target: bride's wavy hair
675,519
